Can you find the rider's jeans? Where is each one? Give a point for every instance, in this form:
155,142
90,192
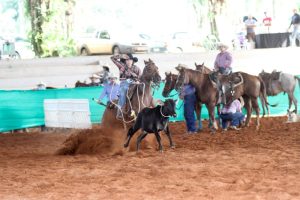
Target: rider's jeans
295,35
124,85
225,71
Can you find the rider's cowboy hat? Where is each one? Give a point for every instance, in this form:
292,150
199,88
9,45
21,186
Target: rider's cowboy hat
129,56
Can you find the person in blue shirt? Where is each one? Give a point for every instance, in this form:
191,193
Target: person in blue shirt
110,90
189,100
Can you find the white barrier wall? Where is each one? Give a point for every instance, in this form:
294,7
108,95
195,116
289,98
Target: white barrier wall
67,113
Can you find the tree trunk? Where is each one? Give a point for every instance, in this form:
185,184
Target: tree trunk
36,19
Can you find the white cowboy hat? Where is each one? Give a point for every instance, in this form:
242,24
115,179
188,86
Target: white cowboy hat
112,75
222,44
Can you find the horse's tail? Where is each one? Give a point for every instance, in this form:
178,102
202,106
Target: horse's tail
298,79
263,97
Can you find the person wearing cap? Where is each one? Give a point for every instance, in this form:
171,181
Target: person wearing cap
94,79
129,73
232,114
41,86
296,28
110,89
223,60
250,24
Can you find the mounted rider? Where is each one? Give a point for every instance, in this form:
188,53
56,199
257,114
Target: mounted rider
223,60
129,73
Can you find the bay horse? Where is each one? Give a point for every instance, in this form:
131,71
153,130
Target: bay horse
206,91
140,97
277,82
248,92
248,86
170,82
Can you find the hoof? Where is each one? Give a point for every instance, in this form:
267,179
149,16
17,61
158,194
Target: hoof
172,147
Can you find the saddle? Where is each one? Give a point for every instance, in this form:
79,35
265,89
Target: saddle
133,88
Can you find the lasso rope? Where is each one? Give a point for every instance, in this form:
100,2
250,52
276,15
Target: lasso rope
130,105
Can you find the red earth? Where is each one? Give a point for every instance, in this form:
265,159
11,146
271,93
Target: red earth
245,164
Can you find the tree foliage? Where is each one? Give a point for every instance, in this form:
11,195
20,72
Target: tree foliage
214,8
51,27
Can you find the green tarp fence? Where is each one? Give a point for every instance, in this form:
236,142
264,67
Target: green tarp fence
24,108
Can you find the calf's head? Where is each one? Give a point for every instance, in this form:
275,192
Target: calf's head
169,107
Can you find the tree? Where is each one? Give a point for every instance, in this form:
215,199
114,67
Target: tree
51,25
214,8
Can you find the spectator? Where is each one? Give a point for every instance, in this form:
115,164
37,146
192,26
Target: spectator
250,23
223,60
232,114
41,86
128,74
267,21
110,90
94,79
105,75
189,100
296,24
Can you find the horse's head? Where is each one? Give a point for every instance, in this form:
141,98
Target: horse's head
182,78
170,83
231,87
202,68
151,73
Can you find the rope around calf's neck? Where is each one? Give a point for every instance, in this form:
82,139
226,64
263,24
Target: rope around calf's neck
162,113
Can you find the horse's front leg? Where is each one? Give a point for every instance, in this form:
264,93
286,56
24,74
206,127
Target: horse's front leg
198,108
211,110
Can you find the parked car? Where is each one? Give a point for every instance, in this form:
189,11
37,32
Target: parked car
155,45
105,42
182,42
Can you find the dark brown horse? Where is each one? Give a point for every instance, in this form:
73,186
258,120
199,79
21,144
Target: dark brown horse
140,97
170,82
206,91
277,82
83,84
248,86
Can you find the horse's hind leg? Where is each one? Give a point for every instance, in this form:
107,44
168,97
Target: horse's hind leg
293,100
248,107
139,139
256,108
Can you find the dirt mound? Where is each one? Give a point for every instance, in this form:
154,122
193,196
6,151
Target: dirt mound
102,141
95,141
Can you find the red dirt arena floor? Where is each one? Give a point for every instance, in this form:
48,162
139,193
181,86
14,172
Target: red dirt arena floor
245,164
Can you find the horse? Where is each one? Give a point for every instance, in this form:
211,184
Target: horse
248,92
248,86
140,97
277,82
206,91
170,86
83,84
